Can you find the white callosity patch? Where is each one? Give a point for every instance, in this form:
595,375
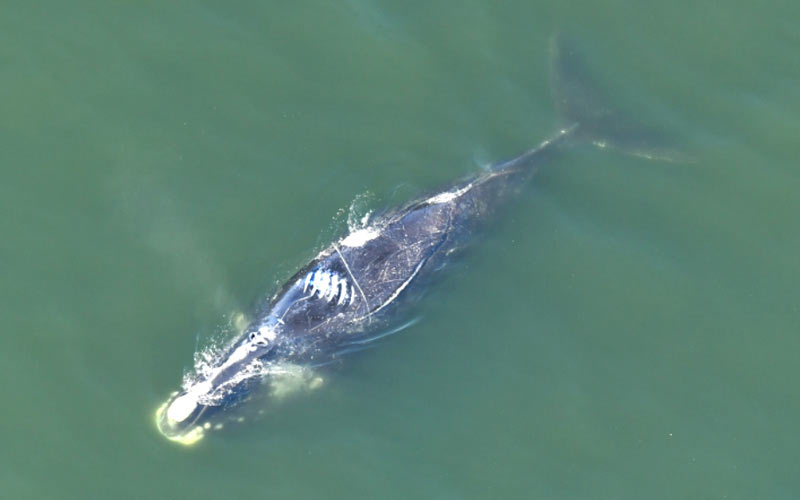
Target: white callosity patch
329,286
261,337
359,237
267,333
448,196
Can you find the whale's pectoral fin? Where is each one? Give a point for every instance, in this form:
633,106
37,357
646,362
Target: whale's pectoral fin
581,103
291,379
360,343
377,336
239,322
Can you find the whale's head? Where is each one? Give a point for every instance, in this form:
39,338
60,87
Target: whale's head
214,394
219,381
186,417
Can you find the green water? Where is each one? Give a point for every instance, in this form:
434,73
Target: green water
631,331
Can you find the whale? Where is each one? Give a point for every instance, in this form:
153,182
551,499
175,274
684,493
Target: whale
353,292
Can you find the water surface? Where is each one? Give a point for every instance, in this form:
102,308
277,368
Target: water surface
630,331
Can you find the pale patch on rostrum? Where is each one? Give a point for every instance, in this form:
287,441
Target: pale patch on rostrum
183,406
188,438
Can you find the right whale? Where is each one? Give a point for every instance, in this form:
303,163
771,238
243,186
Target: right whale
349,294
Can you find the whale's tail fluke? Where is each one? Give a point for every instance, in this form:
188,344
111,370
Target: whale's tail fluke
583,107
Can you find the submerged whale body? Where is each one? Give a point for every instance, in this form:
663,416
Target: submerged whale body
351,290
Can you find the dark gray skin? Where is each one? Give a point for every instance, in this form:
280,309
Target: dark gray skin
352,289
